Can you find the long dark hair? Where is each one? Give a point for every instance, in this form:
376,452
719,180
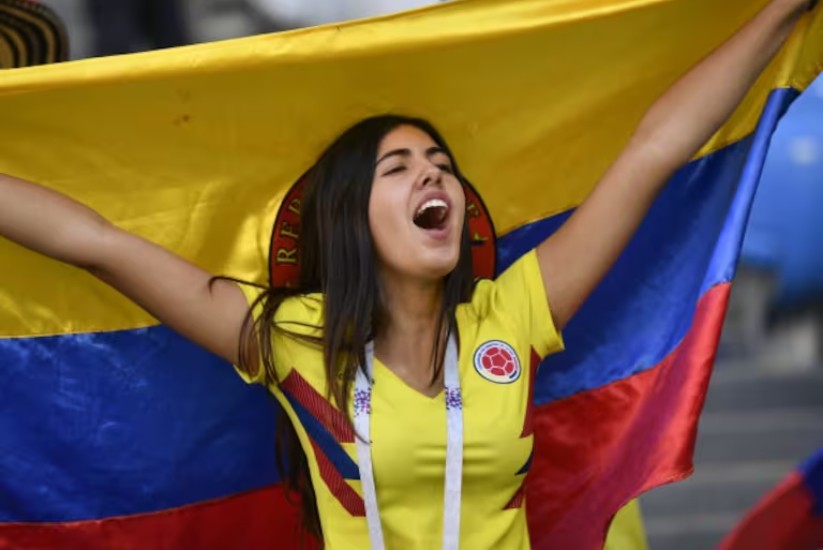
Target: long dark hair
337,258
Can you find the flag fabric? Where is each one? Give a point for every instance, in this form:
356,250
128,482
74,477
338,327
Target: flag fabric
118,433
789,517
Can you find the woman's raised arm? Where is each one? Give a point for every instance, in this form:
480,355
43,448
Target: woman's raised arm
175,291
578,255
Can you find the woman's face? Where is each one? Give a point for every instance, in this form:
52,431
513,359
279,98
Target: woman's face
416,208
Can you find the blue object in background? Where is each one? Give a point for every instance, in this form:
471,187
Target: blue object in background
785,233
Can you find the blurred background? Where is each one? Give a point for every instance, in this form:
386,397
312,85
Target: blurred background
106,27
764,412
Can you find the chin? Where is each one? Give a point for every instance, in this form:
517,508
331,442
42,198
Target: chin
438,268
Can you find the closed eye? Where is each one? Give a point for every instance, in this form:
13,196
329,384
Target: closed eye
446,168
394,170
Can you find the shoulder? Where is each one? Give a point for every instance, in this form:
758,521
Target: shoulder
297,308
514,305
481,298
302,313
510,290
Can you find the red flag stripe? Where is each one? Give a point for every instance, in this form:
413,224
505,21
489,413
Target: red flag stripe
642,434
260,519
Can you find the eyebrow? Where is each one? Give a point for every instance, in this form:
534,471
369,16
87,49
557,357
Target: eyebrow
430,152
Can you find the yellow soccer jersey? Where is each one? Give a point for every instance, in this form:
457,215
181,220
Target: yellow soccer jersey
502,333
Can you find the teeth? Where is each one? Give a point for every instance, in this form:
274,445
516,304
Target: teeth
431,203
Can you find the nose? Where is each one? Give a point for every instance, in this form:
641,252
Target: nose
431,175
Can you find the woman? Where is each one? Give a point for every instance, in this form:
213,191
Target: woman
386,275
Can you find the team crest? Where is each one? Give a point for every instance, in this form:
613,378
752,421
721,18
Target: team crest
497,362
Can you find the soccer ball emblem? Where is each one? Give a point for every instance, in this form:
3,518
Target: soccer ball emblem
497,362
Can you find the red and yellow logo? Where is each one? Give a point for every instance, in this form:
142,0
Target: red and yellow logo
497,362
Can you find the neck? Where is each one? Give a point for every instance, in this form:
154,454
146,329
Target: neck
411,308
405,340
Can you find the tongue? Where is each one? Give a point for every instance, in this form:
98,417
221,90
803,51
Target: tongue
431,218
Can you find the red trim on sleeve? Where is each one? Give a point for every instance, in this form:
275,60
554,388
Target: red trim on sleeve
528,419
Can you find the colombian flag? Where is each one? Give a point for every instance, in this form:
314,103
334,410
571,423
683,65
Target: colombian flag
117,433
790,517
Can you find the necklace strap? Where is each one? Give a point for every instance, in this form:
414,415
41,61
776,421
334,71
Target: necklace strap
454,448
362,436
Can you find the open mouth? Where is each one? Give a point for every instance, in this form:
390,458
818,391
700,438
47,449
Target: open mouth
432,214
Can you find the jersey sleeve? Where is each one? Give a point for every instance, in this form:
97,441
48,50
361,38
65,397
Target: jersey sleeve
251,293
297,316
519,296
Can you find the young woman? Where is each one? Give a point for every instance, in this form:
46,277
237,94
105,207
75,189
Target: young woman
374,355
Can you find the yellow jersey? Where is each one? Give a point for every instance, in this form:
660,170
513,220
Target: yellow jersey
503,333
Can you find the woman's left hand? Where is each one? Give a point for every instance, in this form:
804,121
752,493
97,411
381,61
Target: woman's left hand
578,255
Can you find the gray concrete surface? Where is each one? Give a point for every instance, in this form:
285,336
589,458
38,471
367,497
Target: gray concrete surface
759,422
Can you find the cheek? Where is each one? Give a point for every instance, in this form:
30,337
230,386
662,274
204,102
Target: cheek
385,216
458,195
460,207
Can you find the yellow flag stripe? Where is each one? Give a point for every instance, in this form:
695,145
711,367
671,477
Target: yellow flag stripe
193,147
